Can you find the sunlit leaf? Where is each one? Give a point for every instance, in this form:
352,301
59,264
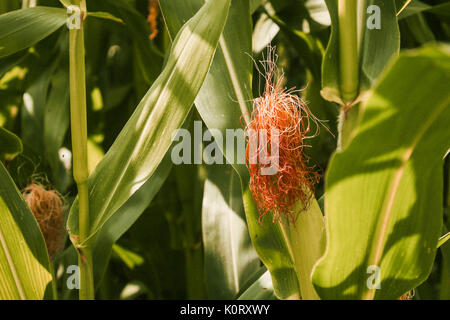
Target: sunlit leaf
147,136
376,47
24,262
383,198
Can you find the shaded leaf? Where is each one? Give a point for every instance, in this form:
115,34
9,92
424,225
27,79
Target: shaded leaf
10,145
21,29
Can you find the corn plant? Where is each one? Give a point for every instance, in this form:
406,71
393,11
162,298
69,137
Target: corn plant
224,149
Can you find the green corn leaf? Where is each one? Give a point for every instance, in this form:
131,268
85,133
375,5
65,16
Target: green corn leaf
288,251
21,29
121,221
383,198
318,12
264,31
254,4
24,262
105,16
272,245
147,136
10,145
230,260
145,50
226,92
56,123
419,29
8,63
443,239
261,289
444,293
375,48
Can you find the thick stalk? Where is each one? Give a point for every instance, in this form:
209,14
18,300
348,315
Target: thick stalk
348,49
78,121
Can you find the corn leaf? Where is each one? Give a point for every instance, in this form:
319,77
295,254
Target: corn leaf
10,5
147,136
56,123
229,257
383,198
21,29
35,106
221,102
230,260
24,262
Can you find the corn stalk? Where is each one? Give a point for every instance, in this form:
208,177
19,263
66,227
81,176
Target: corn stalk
78,121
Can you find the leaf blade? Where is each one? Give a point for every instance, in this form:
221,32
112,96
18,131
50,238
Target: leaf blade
24,262
230,259
11,145
396,139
